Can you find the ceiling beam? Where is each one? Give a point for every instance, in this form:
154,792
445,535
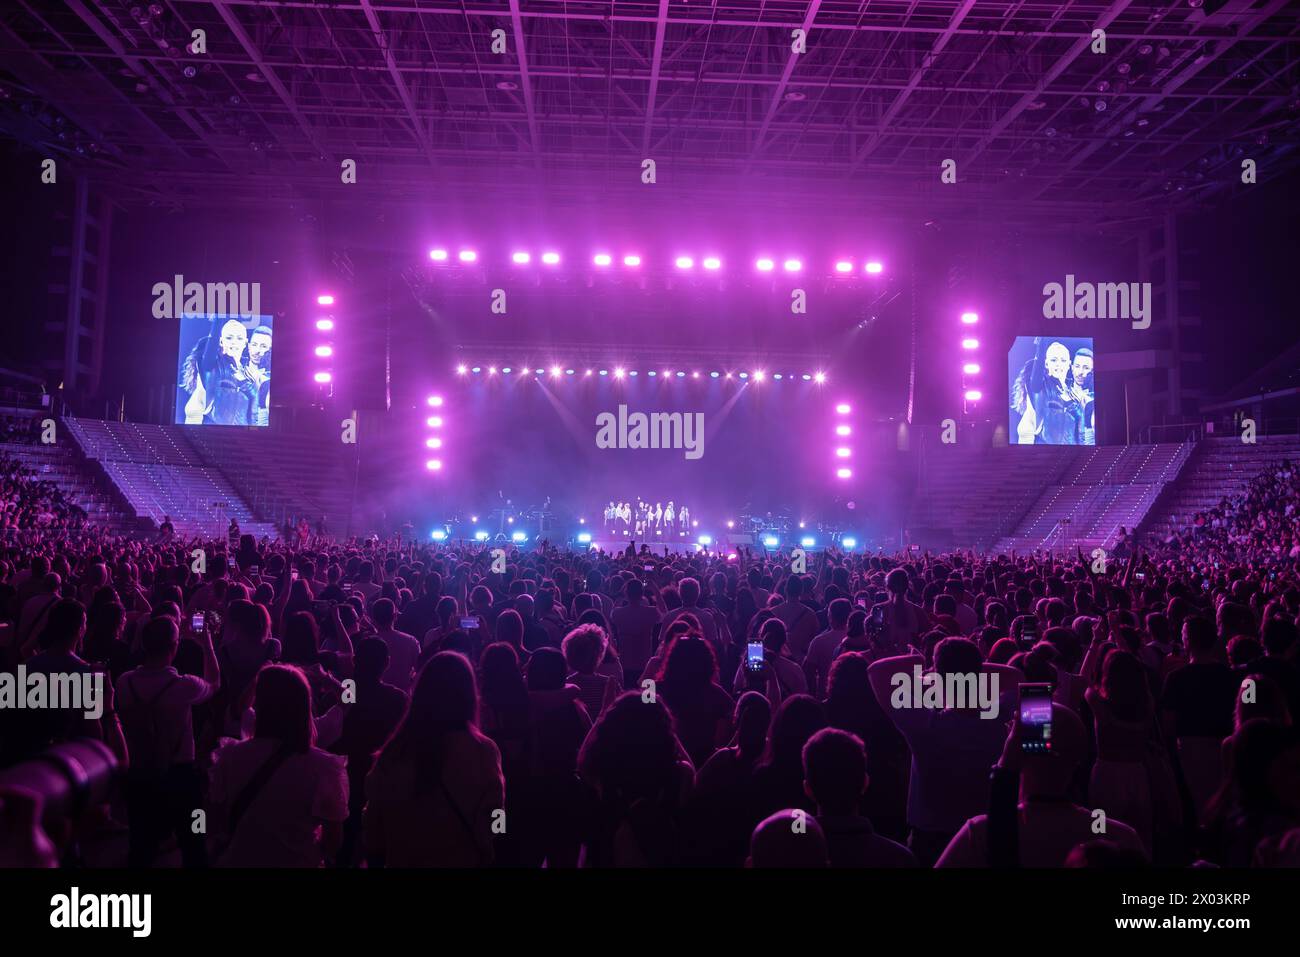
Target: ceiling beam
779,93
525,81
661,25
403,93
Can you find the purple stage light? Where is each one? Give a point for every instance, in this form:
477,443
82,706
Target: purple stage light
568,372
551,258
325,299
970,318
758,376
843,452
844,266
588,372
618,373
819,377
540,371
970,343
712,262
434,400
843,408
764,265
492,370
438,255
684,262
727,376
844,473
602,259
325,325
434,443
433,465
324,352
322,377
521,258
434,421
792,265
461,369
632,260
555,370
506,370
974,395
971,368
467,255
695,375
843,430
874,268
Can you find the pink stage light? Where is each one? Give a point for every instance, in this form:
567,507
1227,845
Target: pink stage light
971,368
434,421
874,268
970,343
324,352
764,265
843,408
632,260
843,452
325,299
713,262
521,258
844,473
844,266
435,401
974,395
684,262
843,430
970,318
492,370
462,370
433,465
819,377
434,443
551,259
438,255
759,375
588,372
695,375
325,325
556,370
322,377
792,265
618,373
602,259
467,255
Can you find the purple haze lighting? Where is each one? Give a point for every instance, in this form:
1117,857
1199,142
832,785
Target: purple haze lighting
324,352
556,370
492,370
433,465
819,377
970,343
325,299
434,421
521,258
438,255
875,268
618,373
792,265
758,376
843,408
970,318
971,368
843,452
844,266
974,395
435,401
325,325
764,265
843,430
684,262
712,262
551,258
434,443
602,259
461,369
467,255
844,473
322,377
632,260
588,372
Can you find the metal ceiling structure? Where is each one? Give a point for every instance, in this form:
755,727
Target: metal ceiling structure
581,92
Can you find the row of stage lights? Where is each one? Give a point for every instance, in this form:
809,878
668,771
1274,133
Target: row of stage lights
434,440
847,542
324,348
685,263
969,367
758,375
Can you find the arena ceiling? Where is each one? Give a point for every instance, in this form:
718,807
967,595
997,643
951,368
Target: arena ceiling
1038,123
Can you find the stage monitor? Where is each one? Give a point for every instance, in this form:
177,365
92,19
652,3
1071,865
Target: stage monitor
224,371
1051,397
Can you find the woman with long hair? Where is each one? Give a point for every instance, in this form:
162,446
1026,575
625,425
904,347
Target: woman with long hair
437,787
701,709
281,802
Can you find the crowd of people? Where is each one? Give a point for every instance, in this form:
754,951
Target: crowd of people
29,502
370,703
1262,520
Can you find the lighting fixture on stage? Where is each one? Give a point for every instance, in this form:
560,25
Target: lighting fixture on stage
684,262
473,518
518,537
806,377
971,368
875,268
325,325
744,375
974,395
712,262
970,343
460,369
551,259
438,534
555,370
492,370
844,473
713,375
695,375
478,369
467,255
325,299
843,452
438,255
681,375
618,373
849,543
324,352
521,258
771,541
436,400
603,372
588,372
758,376
843,266
705,540
510,520
540,371
632,261
807,541
843,408
730,523
970,318
480,536
568,372
322,377
819,377
584,538
434,421
764,265
602,259
843,430
433,443
506,370
792,265
433,465
802,524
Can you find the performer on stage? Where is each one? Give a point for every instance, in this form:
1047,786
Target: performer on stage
670,517
657,517
684,516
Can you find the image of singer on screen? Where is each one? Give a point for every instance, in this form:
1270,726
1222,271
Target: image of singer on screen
225,375
1052,399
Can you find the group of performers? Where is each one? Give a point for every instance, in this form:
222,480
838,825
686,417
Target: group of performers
227,376
1052,399
646,519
